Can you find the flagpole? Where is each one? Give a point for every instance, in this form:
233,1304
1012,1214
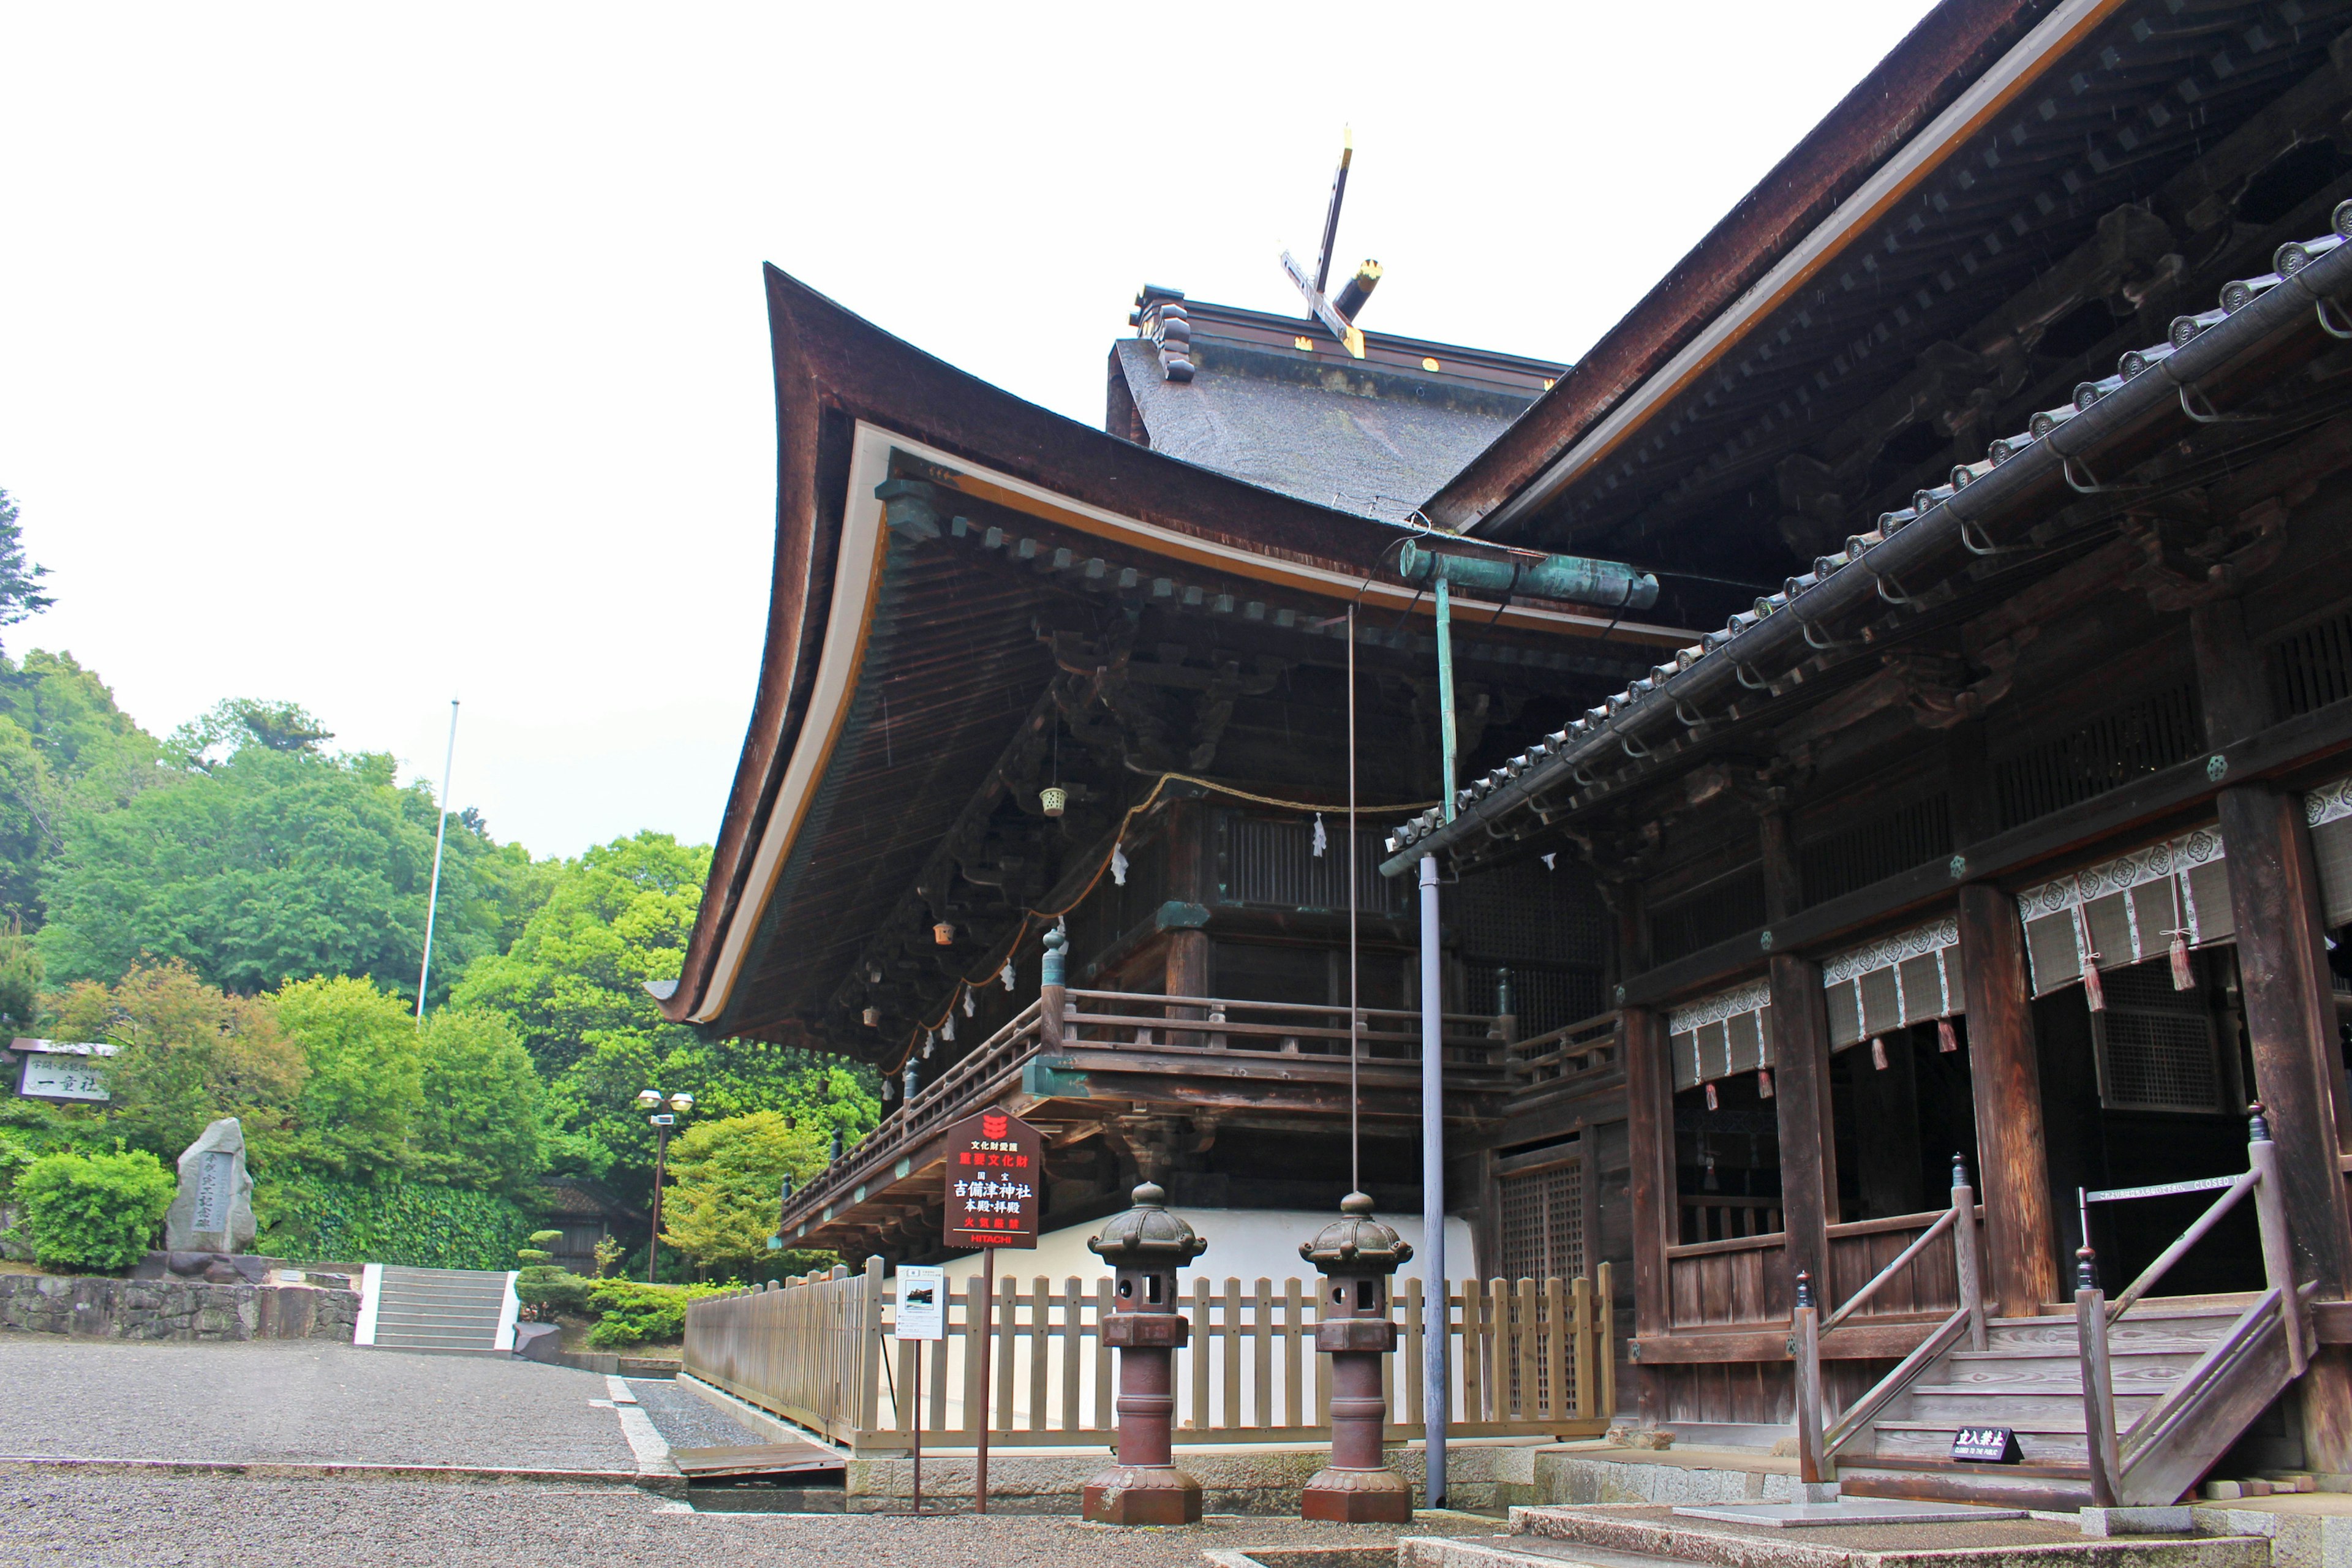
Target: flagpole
440,837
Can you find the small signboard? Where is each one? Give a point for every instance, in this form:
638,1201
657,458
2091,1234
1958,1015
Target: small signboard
1987,1446
922,1303
53,1069
996,1181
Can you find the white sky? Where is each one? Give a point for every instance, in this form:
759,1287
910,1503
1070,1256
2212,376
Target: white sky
367,356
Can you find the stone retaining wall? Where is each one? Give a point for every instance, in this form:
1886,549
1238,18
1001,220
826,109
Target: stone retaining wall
91,1307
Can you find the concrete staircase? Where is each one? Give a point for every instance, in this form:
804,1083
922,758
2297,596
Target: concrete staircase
2029,1379
455,1310
1648,1536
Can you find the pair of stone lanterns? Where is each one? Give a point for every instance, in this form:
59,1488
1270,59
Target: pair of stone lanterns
1357,1255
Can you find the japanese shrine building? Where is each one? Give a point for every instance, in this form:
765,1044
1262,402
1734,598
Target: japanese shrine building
1980,783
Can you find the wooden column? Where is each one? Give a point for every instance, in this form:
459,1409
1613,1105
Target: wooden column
1799,1020
1784,881
2233,689
1650,1145
1189,878
2005,1071
2289,1008
2290,1011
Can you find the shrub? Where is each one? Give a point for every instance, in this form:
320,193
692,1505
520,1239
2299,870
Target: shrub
94,1211
409,1222
543,1287
633,1313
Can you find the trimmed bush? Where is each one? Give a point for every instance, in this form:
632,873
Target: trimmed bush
406,1223
94,1211
634,1313
543,1287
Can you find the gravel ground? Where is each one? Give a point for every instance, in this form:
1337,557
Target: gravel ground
685,1420
298,1400
139,1521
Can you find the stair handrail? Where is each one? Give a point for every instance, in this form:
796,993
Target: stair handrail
1863,1410
2259,1178
1805,1343
2158,1419
2091,1319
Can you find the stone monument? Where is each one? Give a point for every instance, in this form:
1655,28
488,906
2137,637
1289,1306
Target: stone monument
210,1222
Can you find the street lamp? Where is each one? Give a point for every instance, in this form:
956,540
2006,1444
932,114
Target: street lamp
650,1100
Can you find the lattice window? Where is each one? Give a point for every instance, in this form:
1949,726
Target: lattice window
1543,1222
2312,667
2131,741
2157,1044
1546,996
1856,856
1718,912
1543,1238
1272,861
1526,913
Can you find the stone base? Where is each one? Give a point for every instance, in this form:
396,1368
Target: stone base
1356,1496
1142,1494
93,1307
211,1268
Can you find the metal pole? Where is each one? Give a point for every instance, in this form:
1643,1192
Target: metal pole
1445,687
440,837
918,1397
653,1242
1435,1382
987,1313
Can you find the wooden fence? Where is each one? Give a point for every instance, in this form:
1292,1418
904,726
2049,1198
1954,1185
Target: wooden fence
1528,1357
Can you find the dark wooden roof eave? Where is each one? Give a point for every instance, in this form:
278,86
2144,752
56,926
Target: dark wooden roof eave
834,370
1916,80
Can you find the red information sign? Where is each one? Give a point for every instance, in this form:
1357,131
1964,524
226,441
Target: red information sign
996,1181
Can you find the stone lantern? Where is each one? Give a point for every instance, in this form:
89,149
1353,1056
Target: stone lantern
1357,1254
1145,1246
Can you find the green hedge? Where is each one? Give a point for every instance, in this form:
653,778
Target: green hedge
421,1226
634,1313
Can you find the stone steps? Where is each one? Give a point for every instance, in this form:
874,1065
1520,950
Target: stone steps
439,1309
1617,1536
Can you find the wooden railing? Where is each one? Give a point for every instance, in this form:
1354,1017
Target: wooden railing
979,1076
1913,1274
1121,1020
1716,1216
1564,1059
1073,1020
1530,1358
2133,1466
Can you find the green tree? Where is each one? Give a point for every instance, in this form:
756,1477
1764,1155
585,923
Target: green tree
729,1172
20,579
272,864
479,1124
230,726
66,750
187,1053
358,1113
574,984
20,981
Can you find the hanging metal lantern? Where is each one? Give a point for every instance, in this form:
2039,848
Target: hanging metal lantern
944,934
1052,799
873,1016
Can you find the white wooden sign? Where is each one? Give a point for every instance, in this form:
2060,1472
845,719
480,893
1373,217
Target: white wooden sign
60,1077
922,1302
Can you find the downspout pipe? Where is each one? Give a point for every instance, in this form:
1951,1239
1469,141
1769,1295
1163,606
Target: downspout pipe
1604,584
1788,634
1438,1314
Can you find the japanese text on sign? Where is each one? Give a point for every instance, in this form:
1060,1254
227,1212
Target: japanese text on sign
995,1165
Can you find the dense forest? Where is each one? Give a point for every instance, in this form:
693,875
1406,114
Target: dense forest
239,907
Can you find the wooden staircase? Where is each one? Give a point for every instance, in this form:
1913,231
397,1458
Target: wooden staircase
2029,1378
2123,1404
